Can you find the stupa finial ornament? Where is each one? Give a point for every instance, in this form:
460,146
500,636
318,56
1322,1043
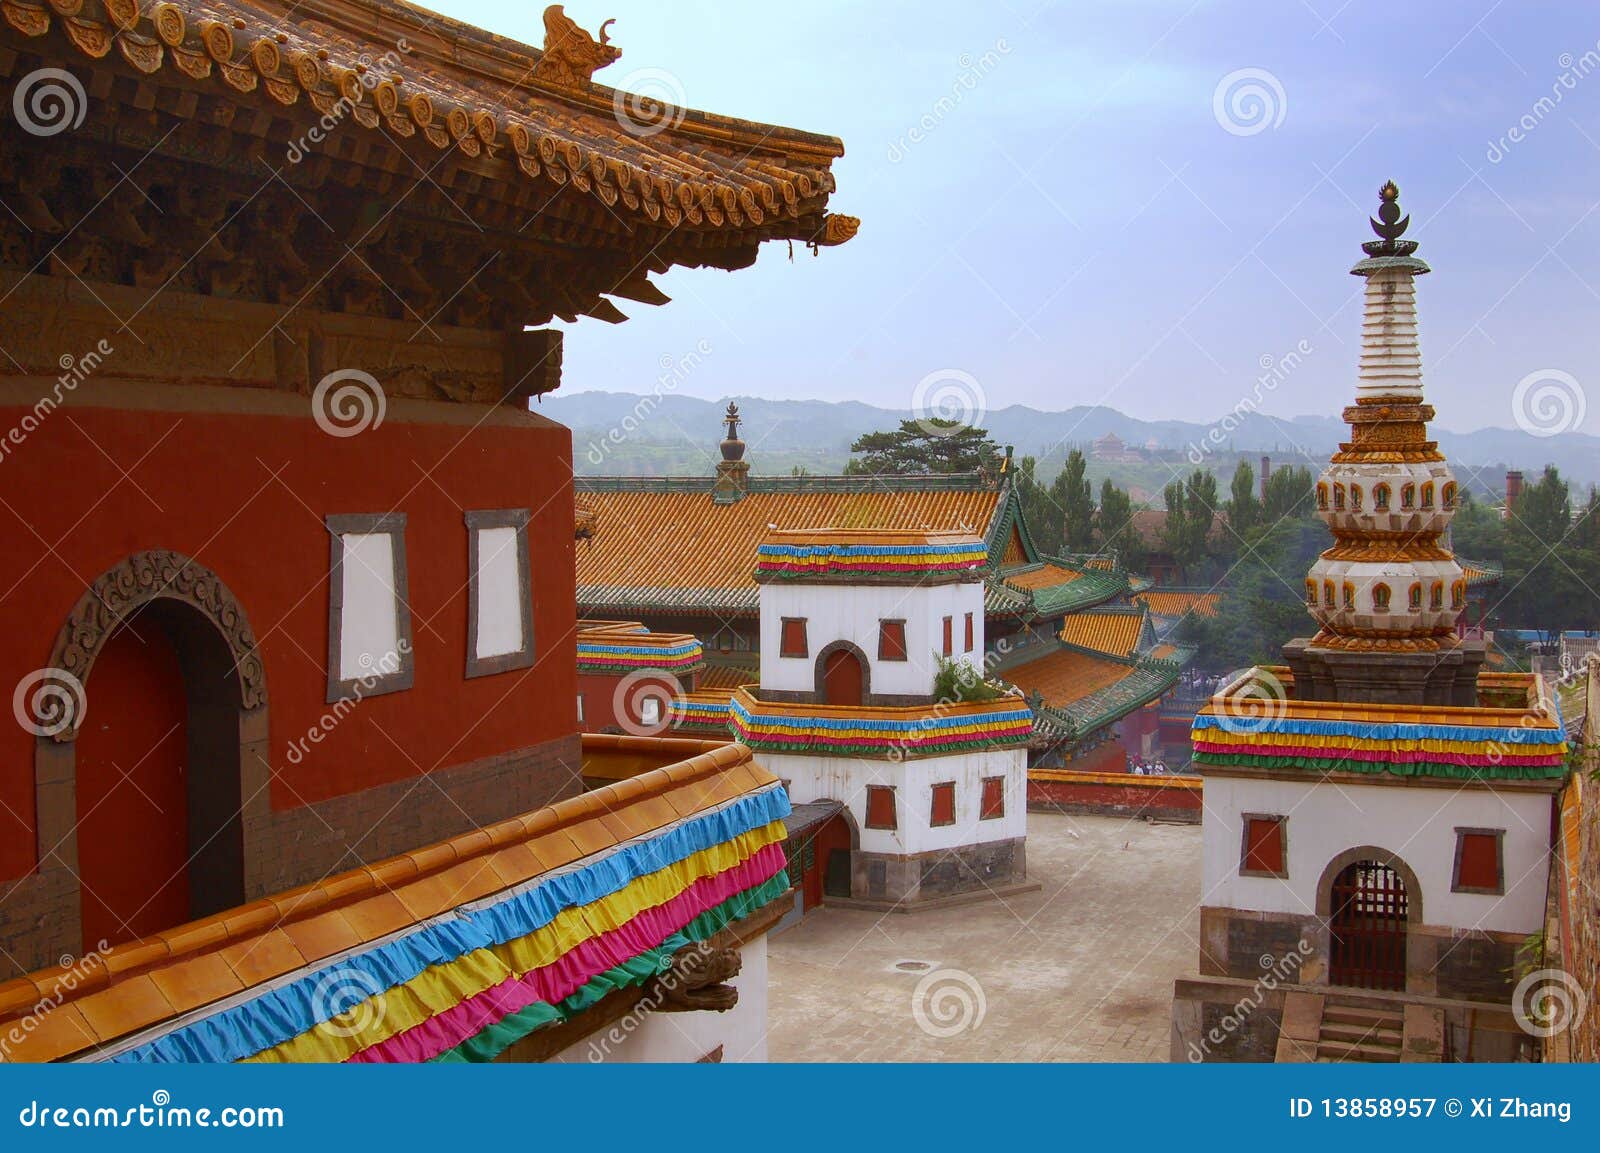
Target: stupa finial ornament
1390,225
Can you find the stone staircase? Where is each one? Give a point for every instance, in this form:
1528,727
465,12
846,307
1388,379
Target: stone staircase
1326,1028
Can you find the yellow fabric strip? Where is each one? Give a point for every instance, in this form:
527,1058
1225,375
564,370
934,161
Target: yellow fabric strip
910,728
442,987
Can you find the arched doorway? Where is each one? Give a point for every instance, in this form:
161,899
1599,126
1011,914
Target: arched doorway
842,678
165,756
1369,911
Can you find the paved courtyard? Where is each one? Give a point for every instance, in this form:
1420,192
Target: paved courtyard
1079,971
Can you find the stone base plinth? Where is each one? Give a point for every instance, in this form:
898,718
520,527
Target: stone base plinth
989,866
1446,678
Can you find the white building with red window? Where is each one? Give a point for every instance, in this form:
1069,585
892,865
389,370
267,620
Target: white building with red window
1378,811
872,696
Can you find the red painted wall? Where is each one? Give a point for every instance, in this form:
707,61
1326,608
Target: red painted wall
245,495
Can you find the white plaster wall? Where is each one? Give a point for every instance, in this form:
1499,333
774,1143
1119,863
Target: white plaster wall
682,1037
369,625
1416,823
500,606
845,779
851,613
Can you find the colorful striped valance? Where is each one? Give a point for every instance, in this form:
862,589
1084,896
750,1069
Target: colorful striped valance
465,985
885,733
1403,748
598,658
868,558
689,712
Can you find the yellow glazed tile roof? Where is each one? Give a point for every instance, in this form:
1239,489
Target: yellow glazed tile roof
1115,634
1177,604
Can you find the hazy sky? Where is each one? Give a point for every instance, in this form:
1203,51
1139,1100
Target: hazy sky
1076,224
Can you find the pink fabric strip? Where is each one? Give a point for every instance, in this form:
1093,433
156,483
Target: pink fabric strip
574,968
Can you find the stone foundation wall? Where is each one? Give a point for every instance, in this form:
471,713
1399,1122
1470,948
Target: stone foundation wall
945,873
1461,964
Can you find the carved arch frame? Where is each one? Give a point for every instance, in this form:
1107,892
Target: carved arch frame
112,598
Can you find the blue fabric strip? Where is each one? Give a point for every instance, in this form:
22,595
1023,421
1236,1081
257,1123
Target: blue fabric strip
585,648
1379,731
279,1014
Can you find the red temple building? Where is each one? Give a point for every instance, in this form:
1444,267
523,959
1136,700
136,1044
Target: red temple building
288,562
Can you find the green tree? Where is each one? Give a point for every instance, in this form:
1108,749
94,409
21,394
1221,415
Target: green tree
1191,512
1263,606
1244,508
1114,526
1073,494
1543,588
938,446
1038,508
1289,494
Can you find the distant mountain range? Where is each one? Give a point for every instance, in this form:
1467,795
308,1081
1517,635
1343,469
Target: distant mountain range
639,434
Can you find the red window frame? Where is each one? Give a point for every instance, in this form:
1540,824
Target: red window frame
881,809
949,636
943,809
1264,846
1480,862
792,638
993,805
968,649
891,640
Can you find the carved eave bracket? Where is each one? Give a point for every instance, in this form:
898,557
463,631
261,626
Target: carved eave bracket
695,980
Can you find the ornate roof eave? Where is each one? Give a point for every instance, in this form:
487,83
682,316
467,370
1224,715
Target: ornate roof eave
420,85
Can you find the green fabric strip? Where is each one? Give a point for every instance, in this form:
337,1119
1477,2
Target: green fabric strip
1414,769
494,1040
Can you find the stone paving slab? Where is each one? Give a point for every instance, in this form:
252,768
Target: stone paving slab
1081,970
